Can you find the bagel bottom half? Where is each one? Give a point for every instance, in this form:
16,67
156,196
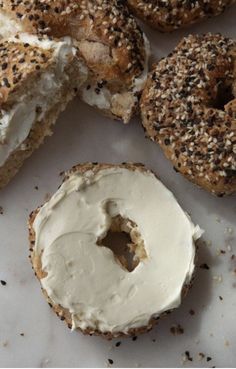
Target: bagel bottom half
36,137
100,296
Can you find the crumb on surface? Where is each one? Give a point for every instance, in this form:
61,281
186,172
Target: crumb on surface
191,312
218,252
229,230
1,210
3,283
177,329
186,357
204,266
201,355
217,278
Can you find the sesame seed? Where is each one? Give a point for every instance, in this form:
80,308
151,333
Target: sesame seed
187,114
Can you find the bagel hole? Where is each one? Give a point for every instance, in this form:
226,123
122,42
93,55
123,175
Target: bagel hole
126,243
223,96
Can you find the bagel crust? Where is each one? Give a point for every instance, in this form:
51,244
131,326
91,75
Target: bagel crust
36,258
169,15
188,106
28,113
108,39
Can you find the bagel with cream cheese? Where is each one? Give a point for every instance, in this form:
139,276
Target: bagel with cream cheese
188,106
169,15
85,283
37,81
114,48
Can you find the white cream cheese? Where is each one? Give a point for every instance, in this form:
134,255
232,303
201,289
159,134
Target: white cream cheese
105,100
85,278
101,100
8,26
17,122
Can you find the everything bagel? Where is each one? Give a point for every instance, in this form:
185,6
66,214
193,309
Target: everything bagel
188,106
169,15
37,80
83,281
114,48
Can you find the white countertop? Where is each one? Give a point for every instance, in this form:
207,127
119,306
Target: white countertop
83,135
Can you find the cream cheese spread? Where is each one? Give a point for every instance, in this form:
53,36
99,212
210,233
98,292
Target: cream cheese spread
105,100
16,122
8,26
86,278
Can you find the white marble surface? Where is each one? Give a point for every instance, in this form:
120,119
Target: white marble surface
82,135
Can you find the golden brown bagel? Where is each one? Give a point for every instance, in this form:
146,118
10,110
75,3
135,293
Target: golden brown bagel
87,169
114,48
36,82
169,15
188,106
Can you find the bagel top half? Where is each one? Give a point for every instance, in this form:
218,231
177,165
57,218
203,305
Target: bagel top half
107,36
169,15
189,107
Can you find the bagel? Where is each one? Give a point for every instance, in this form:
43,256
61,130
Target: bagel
114,48
84,282
169,15
36,83
188,106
